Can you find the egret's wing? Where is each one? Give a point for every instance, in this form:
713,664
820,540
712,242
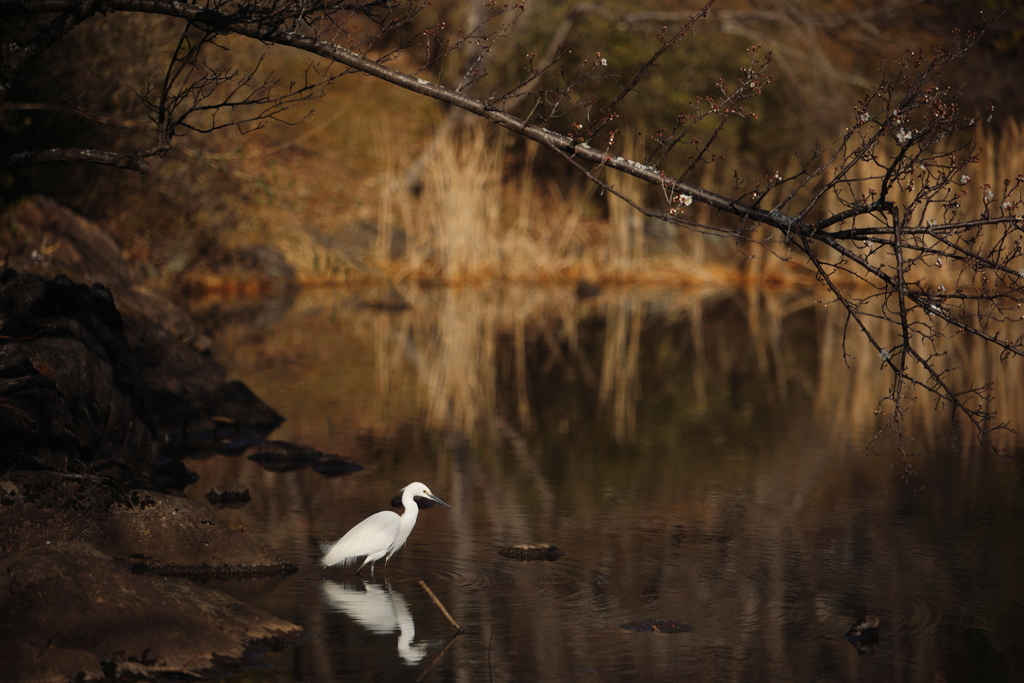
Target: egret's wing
372,535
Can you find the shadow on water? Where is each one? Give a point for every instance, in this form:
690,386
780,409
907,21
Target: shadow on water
700,458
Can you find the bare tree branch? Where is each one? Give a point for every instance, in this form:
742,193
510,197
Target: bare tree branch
16,57
66,155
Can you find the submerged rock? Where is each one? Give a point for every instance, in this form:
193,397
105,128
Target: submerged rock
586,289
335,465
532,552
282,456
229,496
864,632
73,613
657,626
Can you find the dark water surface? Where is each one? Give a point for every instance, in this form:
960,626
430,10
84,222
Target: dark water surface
700,458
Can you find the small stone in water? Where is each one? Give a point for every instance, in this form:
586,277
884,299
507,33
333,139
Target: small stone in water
657,626
532,552
333,465
864,631
229,495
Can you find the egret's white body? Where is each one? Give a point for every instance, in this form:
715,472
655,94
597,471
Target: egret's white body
379,535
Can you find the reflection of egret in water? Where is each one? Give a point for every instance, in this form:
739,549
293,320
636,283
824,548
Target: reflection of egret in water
379,610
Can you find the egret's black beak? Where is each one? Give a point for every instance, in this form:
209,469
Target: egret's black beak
434,498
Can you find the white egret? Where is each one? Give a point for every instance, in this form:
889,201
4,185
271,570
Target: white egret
379,535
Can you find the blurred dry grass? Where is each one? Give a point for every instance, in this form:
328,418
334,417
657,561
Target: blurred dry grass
334,197
331,194
1000,161
347,216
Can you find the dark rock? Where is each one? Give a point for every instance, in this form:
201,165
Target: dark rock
187,393
281,456
175,420
77,392
657,626
175,535
50,239
72,613
84,383
864,632
182,386
586,290
233,403
236,445
335,465
532,552
230,496
83,251
70,393
171,474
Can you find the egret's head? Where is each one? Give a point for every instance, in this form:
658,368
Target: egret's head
420,490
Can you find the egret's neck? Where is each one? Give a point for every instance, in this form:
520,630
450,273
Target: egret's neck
411,508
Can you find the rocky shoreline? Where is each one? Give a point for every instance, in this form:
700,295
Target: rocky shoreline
102,388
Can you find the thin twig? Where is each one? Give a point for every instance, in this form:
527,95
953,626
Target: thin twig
443,610
437,657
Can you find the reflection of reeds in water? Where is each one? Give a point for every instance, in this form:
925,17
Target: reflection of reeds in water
455,362
851,378
466,357
448,342
620,377
451,338
968,363
452,348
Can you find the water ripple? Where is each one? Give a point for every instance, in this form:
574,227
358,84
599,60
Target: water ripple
487,572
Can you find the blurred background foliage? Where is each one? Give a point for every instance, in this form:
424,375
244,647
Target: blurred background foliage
315,190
